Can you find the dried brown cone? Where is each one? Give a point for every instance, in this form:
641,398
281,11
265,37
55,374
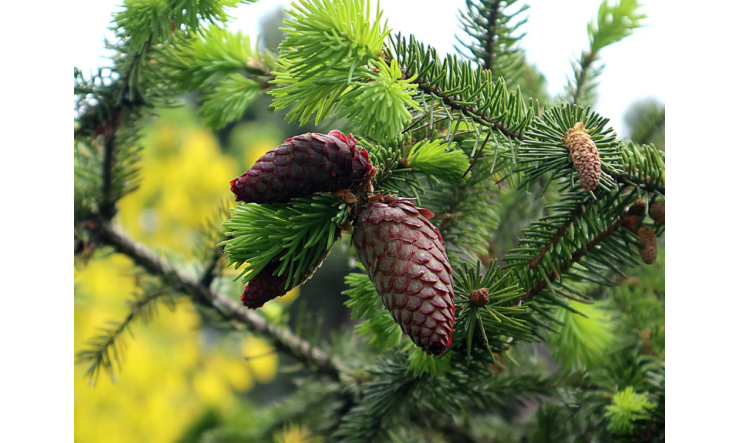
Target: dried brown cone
584,155
479,297
657,212
638,207
649,246
630,222
404,256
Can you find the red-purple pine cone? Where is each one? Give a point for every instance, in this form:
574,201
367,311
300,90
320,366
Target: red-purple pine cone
303,165
404,256
265,286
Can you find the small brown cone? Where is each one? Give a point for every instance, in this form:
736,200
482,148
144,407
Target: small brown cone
658,212
649,247
637,208
584,155
630,222
479,297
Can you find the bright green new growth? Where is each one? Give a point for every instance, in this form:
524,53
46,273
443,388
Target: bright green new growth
586,338
627,407
325,44
296,233
228,100
214,63
378,105
438,158
149,22
328,35
614,23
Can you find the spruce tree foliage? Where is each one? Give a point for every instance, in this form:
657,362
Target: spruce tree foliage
475,140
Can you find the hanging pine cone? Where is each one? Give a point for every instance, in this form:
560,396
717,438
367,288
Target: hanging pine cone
303,165
265,286
638,207
630,222
584,155
404,256
649,245
657,212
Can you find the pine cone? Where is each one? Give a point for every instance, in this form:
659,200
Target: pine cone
303,165
404,256
638,207
649,246
265,286
584,155
657,212
630,222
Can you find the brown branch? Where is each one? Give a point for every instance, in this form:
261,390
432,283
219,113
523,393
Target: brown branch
564,266
281,337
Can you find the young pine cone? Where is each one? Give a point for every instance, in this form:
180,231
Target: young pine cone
265,286
303,165
584,155
404,256
657,211
649,248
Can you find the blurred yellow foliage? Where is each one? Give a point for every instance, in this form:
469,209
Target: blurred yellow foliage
296,434
172,372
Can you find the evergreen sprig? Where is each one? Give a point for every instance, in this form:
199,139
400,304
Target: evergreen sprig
438,158
460,91
325,35
331,58
586,338
644,167
224,67
298,234
495,324
150,22
614,22
491,25
105,351
379,105
627,407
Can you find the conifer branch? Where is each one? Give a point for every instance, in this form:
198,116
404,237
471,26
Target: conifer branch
575,213
281,337
565,266
469,111
106,348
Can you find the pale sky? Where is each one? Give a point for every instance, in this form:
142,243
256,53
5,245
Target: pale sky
556,34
